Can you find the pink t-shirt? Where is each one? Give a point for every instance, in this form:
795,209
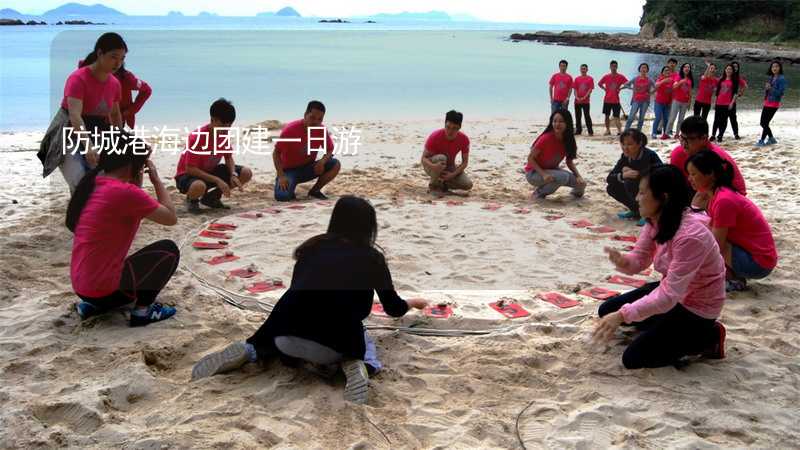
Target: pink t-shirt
562,83
612,82
747,227
675,76
679,156
98,97
641,89
438,144
104,233
297,154
725,93
664,91
706,89
683,92
692,267
200,154
582,85
551,152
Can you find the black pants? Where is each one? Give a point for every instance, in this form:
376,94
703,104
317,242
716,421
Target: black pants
582,108
702,109
766,117
721,113
144,275
734,121
664,338
625,192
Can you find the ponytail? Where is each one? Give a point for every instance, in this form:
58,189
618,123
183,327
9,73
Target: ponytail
80,197
708,163
107,42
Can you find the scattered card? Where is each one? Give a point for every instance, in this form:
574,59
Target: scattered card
222,259
522,211
558,299
492,206
618,237
599,293
251,215
438,311
509,308
271,211
602,229
454,203
627,281
215,234
296,206
264,286
583,223
246,272
219,226
553,217
210,245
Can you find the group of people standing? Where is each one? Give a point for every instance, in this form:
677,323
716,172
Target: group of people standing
318,320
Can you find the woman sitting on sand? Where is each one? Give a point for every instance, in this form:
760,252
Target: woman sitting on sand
677,316
104,214
556,143
742,232
318,319
634,164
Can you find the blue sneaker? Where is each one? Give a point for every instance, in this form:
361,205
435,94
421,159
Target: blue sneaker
734,285
772,141
85,310
155,313
641,222
626,215
760,143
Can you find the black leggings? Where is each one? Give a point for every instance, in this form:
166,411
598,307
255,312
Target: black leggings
766,117
584,108
721,113
625,192
734,120
144,275
664,338
701,109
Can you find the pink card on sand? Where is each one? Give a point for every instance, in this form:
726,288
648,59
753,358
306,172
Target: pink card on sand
509,308
323,203
627,281
251,215
454,203
559,299
271,211
492,206
377,309
602,229
553,217
264,286
245,272
215,234
296,206
438,311
522,211
583,223
222,259
599,293
210,245
219,226
619,237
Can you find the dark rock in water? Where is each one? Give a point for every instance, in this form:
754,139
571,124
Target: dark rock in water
333,21
14,202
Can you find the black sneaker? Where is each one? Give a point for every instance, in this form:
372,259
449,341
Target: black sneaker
318,195
212,200
193,206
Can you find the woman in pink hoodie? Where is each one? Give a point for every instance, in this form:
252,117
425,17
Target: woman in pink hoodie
677,316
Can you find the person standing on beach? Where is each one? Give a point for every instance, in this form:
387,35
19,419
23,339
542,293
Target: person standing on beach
677,316
774,90
90,106
127,105
681,97
663,102
732,112
439,157
642,87
705,91
636,161
296,151
104,215
556,143
672,63
612,83
199,174
727,91
318,320
560,87
583,85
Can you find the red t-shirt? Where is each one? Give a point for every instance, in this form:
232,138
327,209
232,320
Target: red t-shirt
683,93
675,76
582,84
664,91
747,227
725,93
297,154
551,152
438,144
641,89
98,97
129,84
562,83
612,83
678,158
706,89
104,233
200,154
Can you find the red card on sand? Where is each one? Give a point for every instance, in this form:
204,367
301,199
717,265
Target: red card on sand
377,309
454,203
296,206
251,215
509,308
271,210
602,229
627,281
222,259
209,245
583,223
492,206
558,299
553,217
618,237
263,286
438,311
599,293
522,211
243,273
219,226
215,234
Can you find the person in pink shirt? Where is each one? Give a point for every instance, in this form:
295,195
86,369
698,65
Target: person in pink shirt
439,157
727,91
663,102
560,87
200,174
104,215
612,83
705,91
732,111
677,316
775,87
642,87
681,97
743,234
556,143
583,86
127,105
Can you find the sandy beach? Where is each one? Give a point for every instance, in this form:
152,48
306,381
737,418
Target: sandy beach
538,380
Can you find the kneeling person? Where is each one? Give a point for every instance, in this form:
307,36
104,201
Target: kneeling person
439,157
634,164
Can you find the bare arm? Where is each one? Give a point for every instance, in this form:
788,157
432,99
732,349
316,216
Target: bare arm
165,213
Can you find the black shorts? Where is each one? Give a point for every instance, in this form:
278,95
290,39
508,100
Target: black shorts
184,182
611,108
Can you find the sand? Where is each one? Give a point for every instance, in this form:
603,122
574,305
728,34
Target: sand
100,384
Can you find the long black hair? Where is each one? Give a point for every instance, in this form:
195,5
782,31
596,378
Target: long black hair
569,134
107,42
353,221
125,154
708,162
637,136
668,186
780,68
690,76
734,79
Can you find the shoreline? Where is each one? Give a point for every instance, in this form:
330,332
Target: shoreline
748,51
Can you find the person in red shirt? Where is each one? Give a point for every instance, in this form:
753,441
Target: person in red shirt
727,91
439,157
583,86
732,110
642,87
612,83
128,106
672,63
560,87
296,152
681,97
663,102
556,143
199,174
705,91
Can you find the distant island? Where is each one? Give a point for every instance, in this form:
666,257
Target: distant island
71,10
283,12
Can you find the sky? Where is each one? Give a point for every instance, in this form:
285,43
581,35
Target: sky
619,13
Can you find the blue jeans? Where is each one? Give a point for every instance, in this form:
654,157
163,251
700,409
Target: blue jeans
662,117
744,266
641,108
555,106
299,175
